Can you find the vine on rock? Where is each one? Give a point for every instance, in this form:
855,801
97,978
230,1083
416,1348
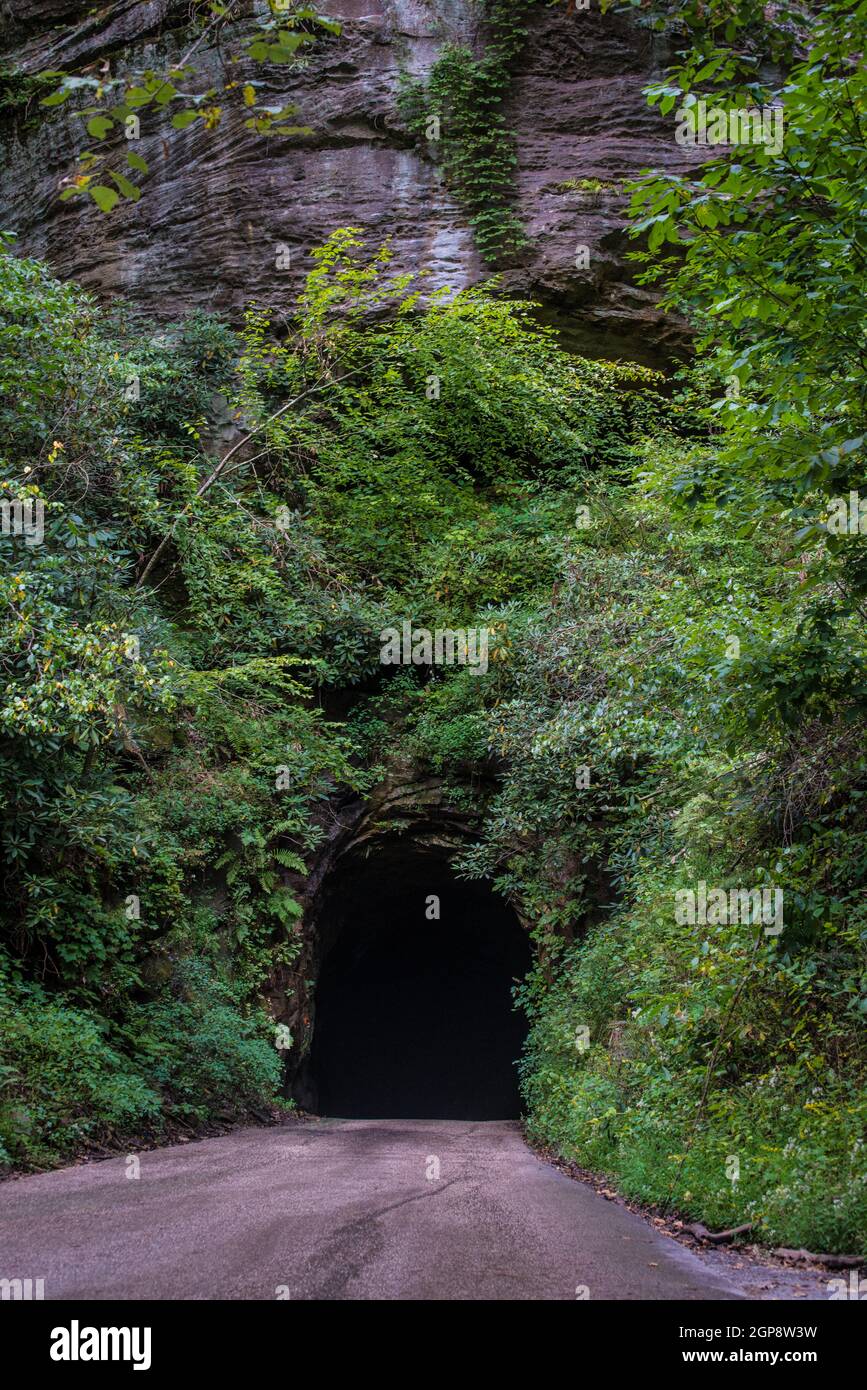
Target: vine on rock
458,111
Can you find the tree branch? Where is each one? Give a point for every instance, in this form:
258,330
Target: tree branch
212,478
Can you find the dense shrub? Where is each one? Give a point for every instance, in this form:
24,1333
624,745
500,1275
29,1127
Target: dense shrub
208,1059
63,1085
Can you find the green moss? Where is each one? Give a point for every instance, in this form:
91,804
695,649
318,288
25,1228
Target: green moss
20,94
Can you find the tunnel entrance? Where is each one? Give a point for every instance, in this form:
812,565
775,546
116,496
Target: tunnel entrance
414,1015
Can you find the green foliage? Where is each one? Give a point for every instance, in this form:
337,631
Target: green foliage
705,659
382,464
50,358
62,1085
704,1044
165,762
111,103
114,838
448,725
69,1081
592,186
208,1059
787,1098
473,142
20,94
771,270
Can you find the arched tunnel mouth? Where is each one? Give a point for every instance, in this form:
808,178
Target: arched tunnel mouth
414,1010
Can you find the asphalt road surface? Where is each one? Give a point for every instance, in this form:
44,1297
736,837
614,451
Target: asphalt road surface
340,1209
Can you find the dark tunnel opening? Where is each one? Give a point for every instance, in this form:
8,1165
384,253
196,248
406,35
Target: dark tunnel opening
415,1017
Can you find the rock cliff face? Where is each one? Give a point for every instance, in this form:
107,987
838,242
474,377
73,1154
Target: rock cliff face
216,205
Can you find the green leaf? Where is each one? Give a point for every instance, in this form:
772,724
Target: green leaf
99,126
105,198
128,189
184,119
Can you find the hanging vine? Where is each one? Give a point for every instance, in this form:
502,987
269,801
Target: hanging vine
459,113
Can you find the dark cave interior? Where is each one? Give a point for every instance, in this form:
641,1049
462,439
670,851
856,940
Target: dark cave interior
414,1016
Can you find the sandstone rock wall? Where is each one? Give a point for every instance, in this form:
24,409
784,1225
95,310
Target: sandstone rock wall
216,204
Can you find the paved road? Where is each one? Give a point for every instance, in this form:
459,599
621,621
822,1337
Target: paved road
339,1209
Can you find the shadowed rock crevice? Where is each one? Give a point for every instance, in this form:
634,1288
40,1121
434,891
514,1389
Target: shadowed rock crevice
414,1014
